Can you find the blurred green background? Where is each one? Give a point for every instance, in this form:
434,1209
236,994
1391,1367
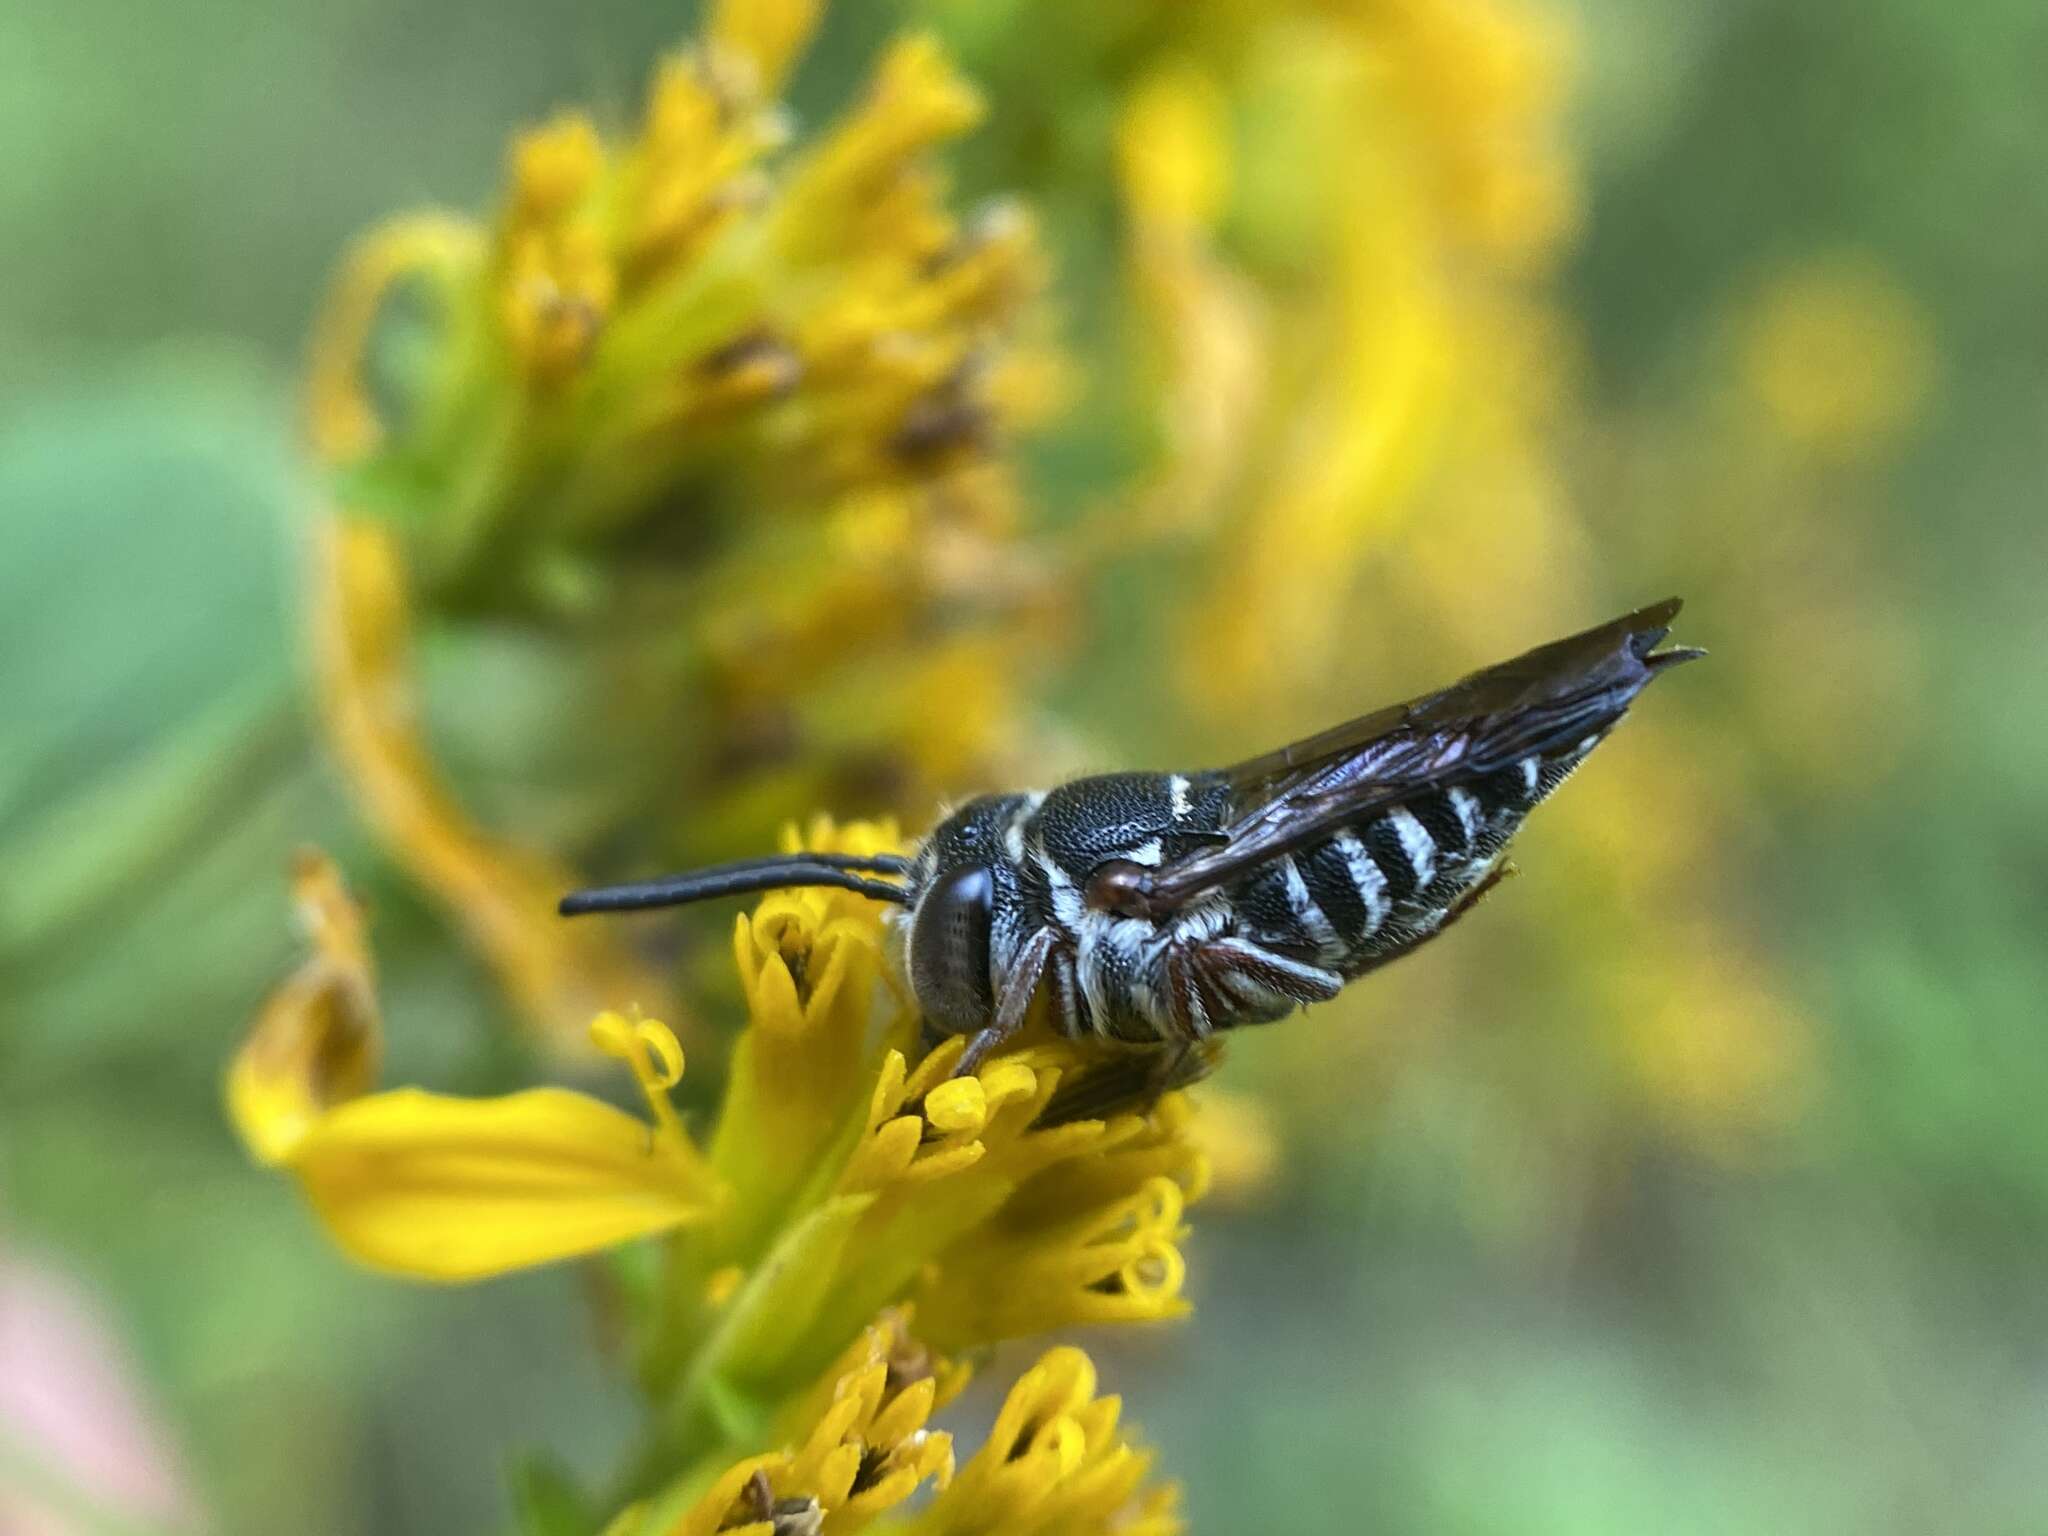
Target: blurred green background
1434,1318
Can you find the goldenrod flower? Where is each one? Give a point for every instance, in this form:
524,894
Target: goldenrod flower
847,1175
1320,314
444,1188
863,1179
854,1446
1054,1465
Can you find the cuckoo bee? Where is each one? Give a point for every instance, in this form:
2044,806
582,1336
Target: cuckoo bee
1155,910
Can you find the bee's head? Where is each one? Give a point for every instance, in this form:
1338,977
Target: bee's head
958,885
950,894
946,952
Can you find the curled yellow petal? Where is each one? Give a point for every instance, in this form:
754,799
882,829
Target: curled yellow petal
865,166
1118,1261
315,1042
1055,1461
441,1188
341,420
650,1048
558,974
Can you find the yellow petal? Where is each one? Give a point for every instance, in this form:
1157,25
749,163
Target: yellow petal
341,419
768,34
554,167
957,1105
503,897
442,1188
315,1042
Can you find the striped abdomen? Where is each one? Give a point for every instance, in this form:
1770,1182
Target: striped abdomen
1378,888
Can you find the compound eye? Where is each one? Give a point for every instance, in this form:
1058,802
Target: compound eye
1121,887
948,959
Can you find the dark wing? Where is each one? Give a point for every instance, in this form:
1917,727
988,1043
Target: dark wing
1542,702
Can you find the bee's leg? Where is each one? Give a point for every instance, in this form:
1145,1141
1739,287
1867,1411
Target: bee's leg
1071,1018
1186,1008
1130,1080
1478,893
1223,961
1014,1003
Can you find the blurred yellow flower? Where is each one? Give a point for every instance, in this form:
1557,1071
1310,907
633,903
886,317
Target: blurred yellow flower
1332,318
1836,353
708,428
1721,1049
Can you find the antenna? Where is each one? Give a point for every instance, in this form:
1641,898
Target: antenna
839,871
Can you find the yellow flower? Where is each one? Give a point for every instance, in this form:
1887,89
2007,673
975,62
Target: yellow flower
862,1179
841,1179
762,35
558,280
1054,1465
1334,214
1090,1235
854,1446
443,1188
788,1104
854,1449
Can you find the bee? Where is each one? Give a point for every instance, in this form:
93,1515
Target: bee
1156,910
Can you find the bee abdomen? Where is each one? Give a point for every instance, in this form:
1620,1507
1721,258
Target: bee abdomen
1383,885
1348,886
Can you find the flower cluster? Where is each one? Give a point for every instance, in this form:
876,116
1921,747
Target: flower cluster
698,448
851,1184
699,443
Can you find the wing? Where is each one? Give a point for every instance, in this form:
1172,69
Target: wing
1542,702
